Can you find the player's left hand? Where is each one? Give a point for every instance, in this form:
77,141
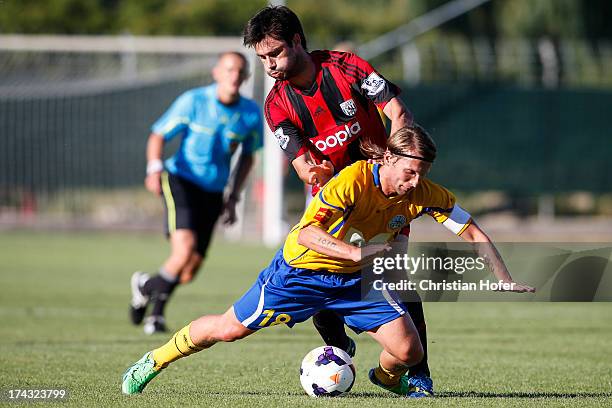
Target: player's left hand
229,209
519,287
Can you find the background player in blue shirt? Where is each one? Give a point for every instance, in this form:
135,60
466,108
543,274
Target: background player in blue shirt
213,122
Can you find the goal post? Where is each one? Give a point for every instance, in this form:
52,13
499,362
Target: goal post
76,112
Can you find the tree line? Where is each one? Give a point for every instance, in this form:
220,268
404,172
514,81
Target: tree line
326,22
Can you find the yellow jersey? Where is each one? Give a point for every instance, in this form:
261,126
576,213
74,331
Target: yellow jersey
352,207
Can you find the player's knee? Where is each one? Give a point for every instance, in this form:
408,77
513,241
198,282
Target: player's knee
230,329
233,332
327,318
410,352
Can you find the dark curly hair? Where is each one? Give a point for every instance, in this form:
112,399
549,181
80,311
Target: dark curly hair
279,22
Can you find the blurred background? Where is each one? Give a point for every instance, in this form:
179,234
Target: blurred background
515,93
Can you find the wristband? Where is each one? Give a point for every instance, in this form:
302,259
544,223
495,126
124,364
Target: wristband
154,166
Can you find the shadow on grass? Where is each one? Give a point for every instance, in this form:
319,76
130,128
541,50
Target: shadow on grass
450,394
476,394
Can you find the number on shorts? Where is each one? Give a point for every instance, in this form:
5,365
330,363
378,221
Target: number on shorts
281,318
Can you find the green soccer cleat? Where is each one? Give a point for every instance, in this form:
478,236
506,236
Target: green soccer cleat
405,387
401,388
136,378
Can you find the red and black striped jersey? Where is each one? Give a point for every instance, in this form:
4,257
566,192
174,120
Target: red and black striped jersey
329,118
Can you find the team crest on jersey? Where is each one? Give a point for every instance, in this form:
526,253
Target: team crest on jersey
373,84
283,140
397,222
348,107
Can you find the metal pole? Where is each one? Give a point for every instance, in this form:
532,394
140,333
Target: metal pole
273,224
419,25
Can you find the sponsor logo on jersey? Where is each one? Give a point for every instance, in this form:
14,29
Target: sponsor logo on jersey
323,215
397,222
283,140
348,107
373,84
339,138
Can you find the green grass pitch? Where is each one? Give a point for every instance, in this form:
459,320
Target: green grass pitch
63,308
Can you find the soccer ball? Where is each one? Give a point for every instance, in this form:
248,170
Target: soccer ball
327,372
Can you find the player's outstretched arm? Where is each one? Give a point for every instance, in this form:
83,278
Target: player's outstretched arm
155,149
320,241
487,250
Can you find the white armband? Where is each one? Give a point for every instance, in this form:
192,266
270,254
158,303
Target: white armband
154,166
457,220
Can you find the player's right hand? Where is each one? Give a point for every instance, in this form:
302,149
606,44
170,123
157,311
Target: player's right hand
319,174
153,183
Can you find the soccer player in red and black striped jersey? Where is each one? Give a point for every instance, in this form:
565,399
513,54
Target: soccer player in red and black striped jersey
322,107
323,102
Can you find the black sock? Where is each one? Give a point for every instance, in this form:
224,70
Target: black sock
331,328
159,288
415,309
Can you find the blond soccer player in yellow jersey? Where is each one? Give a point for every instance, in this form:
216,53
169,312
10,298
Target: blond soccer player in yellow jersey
318,268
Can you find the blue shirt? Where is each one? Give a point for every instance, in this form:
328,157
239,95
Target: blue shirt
211,132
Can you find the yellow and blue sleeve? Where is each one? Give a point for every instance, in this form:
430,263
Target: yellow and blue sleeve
444,209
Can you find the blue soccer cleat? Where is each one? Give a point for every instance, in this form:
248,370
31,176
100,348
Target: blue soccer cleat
420,386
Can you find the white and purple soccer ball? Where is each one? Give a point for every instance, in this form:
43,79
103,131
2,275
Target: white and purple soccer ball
327,372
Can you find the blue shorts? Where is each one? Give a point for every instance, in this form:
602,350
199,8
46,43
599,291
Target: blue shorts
287,295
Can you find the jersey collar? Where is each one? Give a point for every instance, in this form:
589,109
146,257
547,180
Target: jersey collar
315,85
375,172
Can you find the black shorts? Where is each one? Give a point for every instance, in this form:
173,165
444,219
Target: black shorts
189,206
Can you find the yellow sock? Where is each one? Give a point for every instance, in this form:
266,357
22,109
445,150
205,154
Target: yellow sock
179,346
387,377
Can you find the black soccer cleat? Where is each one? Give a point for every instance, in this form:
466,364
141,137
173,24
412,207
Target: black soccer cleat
138,305
155,324
351,348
